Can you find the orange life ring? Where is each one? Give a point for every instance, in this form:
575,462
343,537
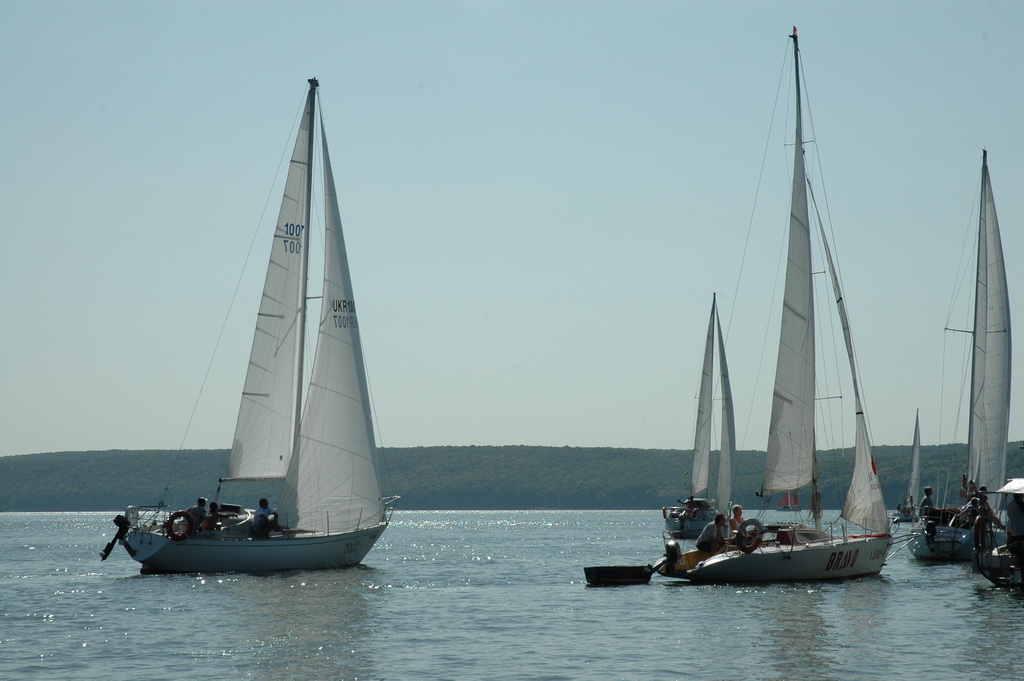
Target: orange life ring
169,525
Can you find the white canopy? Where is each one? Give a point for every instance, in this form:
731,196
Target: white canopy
1014,486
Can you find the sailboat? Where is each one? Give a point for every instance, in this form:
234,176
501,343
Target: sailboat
907,510
687,521
322,449
1004,565
789,501
946,533
791,551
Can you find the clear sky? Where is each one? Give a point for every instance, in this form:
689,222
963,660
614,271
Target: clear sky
540,198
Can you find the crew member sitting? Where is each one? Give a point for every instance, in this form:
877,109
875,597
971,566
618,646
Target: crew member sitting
711,539
264,520
198,513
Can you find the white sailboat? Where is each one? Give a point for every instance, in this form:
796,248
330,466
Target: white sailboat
687,521
321,449
946,533
1004,565
791,552
907,510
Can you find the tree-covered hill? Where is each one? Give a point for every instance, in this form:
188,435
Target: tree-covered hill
471,477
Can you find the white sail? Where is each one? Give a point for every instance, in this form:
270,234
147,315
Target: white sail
330,512
864,503
332,484
266,429
725,464
702,430
990,372
910,500
790,458
782,551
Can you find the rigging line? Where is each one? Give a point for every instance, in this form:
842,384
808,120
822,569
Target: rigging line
964,269
375,421
855,367
757,190
822,224
746,243
234,295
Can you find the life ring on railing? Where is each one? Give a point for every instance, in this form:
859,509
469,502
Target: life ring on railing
748,535
176,516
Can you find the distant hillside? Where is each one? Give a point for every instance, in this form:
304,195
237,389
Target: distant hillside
473,477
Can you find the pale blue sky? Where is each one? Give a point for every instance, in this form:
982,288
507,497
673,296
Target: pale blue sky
539,200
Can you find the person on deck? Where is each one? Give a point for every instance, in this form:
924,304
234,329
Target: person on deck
983,520
736,520
212,521
927,503
711,539
198,513
263,520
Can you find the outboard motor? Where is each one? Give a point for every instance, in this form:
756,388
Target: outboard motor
122,531
672,554
929,532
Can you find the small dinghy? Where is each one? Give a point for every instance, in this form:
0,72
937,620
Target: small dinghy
615,575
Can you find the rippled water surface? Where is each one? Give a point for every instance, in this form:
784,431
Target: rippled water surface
482,595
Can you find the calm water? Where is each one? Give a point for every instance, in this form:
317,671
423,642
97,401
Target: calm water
482,595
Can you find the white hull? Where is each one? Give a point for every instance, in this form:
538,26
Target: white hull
947,544
677,528
239,553
838,558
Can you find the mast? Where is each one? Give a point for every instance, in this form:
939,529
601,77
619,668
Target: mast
799,142
991,356
300,346
980,336
271,407
702,431
789,463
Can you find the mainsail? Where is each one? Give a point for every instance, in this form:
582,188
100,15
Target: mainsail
789,463
915,467
268,418
990,370
725,464
702,431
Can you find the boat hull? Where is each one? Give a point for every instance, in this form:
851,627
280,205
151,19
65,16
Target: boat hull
678,528
946,543
827,559
1002,568
158,553
617,575
681,523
